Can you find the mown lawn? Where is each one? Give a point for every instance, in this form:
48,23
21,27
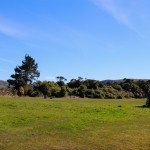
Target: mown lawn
73,124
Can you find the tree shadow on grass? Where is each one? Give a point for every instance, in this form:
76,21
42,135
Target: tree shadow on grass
143,106
147,104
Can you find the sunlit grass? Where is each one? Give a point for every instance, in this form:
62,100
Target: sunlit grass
36,123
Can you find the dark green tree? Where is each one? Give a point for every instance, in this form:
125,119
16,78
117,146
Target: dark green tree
44,88
82,90
75,83
63,91
91,84
61,80
25,74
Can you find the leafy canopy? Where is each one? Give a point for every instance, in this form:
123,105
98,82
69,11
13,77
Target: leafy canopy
24,74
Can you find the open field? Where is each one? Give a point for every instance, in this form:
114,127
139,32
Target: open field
73,124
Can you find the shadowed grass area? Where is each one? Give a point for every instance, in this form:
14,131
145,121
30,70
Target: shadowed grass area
39,124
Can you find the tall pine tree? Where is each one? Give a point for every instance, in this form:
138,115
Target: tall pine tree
25,74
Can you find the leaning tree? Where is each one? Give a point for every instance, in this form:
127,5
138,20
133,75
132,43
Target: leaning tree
25,74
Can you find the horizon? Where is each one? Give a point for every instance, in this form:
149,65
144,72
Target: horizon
94,39
87,79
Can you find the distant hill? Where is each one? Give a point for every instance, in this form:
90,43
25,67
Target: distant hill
112,81
3,83
120,80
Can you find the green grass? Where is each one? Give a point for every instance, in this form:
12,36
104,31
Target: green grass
73,124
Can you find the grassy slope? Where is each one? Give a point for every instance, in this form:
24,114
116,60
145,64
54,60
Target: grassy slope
38,124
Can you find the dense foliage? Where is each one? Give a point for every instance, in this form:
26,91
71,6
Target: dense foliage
24,83
127,88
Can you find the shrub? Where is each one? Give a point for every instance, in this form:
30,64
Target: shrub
98,94
63,91
89,93
82,90
119,97
21,91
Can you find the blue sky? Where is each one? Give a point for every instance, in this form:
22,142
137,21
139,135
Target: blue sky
95,39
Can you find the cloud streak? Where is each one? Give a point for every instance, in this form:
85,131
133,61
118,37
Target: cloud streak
116,11
7,61
9,28
5,29
46,30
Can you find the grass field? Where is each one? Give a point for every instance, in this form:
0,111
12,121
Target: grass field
73,124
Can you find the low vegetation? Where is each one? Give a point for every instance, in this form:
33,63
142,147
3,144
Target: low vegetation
24,82
60,124
7,91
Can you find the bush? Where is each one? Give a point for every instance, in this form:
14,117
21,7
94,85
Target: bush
98,94
119,97
63,91
82,90
21,91
89,93
7,91
109,96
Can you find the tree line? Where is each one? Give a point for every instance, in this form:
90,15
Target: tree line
24,82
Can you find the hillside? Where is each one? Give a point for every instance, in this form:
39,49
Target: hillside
112,81
121,80
3,83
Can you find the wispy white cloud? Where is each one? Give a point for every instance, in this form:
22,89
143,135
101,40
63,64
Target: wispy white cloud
116,11
9,28
5,29
46,30
8,61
